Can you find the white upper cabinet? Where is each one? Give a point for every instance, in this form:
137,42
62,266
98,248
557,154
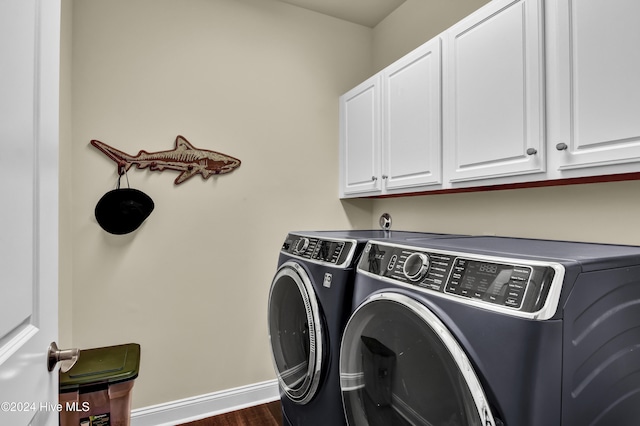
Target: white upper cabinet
390,128
594,78
530,91
360,139
494,92
411,128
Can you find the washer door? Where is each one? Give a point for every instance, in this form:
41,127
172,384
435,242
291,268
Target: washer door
295,332
400,365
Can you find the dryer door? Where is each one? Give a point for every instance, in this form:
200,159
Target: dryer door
295,332
400,365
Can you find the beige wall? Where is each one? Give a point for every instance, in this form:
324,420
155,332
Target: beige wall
258,80
413,23
603,212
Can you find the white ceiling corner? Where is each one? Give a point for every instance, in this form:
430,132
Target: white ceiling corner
364,12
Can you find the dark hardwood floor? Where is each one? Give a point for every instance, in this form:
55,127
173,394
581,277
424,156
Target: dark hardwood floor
261,415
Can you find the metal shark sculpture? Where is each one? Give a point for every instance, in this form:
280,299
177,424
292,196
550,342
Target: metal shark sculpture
184,158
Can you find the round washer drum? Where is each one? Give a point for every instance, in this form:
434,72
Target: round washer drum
295,331
400,365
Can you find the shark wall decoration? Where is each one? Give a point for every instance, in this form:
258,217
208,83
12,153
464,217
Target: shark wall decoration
184,158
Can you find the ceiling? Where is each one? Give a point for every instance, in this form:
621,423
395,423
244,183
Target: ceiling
364,12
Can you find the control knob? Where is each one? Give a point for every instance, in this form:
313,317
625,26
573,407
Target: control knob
301,245
416,266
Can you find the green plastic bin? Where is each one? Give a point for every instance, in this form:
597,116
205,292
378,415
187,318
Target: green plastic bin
97,390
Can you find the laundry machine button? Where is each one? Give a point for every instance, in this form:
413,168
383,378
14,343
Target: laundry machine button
392,263
416,266
301,245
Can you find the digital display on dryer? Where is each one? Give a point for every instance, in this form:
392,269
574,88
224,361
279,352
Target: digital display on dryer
496,283
329,251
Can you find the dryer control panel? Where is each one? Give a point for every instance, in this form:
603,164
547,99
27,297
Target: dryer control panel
332,251
483,280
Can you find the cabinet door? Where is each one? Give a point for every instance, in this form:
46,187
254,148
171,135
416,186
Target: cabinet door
595,71
493,99
360,138
411,119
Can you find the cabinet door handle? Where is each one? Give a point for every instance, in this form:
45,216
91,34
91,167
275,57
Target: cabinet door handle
374,178
561,146
384,176
532,151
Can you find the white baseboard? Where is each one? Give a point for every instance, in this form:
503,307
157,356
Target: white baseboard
199,407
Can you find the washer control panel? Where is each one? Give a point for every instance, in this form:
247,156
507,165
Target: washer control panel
487,280
499,283
333,251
